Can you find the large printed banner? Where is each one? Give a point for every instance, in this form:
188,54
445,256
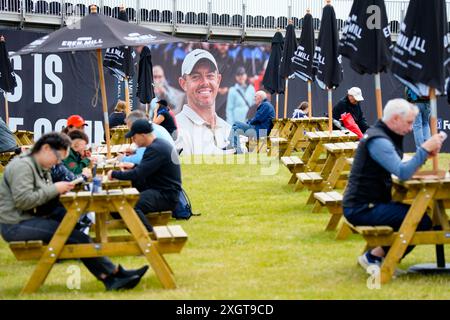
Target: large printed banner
52,87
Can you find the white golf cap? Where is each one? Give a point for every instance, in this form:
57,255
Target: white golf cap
193,57
356,93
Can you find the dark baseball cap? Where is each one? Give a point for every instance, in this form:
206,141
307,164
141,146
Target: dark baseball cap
162,102
139,126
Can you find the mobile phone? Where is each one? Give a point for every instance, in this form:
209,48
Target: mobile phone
77,181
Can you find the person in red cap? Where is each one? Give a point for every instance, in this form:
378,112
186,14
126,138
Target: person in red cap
74,122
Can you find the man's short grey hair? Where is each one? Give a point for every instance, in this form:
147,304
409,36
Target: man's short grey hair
135,115
398,107
261,94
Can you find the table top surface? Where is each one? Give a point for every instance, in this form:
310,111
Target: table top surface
335,134
103,195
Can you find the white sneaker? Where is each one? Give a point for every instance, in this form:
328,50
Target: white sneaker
364,262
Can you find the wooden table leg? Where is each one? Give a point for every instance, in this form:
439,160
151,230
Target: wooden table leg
149,250
55,247
295,138
406,232
313,160
101,230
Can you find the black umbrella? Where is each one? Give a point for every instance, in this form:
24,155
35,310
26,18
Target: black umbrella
303,58
272,80
421,55
327,61
366,41
7,76
286,66
97,32
120,61
145,91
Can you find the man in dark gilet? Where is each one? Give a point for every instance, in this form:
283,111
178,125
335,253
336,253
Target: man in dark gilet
367,199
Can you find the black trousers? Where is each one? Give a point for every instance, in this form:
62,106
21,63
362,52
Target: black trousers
152,200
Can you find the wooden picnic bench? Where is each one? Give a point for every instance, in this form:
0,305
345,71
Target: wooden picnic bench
118,135
335,171
164,239
24,138
292,135
297,140
332,171
314,155
5,158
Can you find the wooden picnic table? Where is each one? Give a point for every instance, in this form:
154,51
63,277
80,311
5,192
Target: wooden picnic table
311,159
151,246
423,195
332,172
290,134
24,138
297,140
115,149
118,135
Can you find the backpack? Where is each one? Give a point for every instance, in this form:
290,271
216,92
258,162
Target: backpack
183,209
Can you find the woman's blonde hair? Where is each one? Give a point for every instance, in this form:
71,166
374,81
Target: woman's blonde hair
120,106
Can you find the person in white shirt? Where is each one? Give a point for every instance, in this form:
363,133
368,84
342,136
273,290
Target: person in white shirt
201,131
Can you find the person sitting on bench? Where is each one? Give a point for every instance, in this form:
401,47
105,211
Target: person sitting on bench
367,200
26,199
157,177
259,126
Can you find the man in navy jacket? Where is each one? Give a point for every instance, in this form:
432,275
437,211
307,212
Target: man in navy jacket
259,126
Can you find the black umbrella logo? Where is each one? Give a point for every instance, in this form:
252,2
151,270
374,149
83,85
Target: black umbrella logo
82,42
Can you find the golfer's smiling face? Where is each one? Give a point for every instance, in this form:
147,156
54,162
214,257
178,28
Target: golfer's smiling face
202,85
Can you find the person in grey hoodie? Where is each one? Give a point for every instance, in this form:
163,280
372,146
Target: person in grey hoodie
28,197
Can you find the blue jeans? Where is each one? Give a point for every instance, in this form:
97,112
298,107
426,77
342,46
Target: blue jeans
384,214
421,126
241,129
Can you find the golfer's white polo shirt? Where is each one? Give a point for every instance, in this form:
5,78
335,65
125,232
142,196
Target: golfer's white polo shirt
197,137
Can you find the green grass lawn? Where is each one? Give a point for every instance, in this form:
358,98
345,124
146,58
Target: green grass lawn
255,239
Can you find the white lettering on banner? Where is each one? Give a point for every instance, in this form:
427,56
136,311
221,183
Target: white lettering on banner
41,126
38,78
446,125
60,125
14,122
53,63
17,65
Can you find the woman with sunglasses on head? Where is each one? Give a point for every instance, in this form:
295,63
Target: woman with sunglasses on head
27,193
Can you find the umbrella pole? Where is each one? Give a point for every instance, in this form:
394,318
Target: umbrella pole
6,109
378,96
330,110
277,100
433,124
104,102
286,94
146,110
127,97
309,99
